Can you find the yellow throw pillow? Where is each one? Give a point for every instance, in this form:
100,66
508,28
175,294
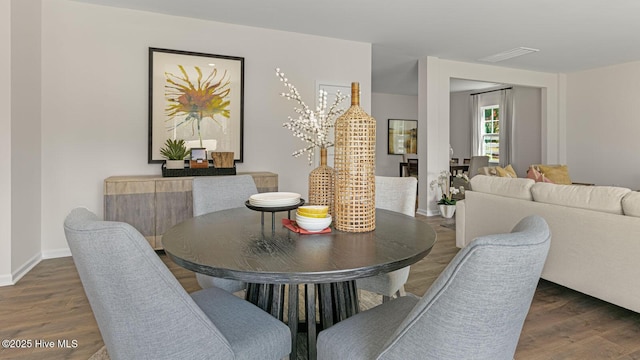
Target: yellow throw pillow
559,174
506,172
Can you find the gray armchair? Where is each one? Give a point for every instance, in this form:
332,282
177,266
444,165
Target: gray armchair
396,194
144,313
474,310
217,193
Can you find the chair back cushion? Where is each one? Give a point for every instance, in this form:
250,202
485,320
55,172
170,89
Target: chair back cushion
217,193
141,309
477,306
397,194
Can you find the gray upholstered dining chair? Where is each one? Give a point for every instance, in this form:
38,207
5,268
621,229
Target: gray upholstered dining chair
474,310
217,193
395,194
143,312
476,163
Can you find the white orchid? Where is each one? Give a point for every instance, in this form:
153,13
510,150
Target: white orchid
443,182
312,126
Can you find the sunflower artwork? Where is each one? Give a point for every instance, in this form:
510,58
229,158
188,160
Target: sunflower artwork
197,98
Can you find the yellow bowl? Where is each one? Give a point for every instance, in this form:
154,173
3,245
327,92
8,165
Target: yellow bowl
311,216
315,211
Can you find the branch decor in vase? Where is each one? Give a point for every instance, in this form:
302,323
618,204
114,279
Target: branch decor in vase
313,127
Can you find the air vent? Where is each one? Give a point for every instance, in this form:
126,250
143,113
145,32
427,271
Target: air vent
509,54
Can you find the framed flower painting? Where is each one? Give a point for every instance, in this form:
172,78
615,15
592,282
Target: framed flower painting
198,98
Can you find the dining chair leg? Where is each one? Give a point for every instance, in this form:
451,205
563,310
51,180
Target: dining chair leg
292,314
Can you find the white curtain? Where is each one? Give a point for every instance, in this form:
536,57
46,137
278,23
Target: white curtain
474,115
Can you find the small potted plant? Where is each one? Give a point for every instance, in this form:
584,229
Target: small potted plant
447,203
175,151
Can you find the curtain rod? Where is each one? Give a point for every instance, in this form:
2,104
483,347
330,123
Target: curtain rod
488,91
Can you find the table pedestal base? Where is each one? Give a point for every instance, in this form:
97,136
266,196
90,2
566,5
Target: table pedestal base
337,301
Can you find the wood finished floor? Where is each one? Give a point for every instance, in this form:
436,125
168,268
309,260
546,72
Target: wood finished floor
49,304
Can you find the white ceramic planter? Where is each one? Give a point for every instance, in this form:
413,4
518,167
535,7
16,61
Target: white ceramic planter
175,164
447,211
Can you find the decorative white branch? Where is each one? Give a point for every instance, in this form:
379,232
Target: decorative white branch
311,126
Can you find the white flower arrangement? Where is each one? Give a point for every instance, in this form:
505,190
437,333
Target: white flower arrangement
447,191
311,126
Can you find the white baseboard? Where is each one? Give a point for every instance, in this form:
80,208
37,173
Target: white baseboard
57,253
11,279
26,267
427,212
5,280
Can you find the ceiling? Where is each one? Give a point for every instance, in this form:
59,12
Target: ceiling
572,35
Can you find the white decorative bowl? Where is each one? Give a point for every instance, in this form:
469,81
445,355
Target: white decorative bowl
313,224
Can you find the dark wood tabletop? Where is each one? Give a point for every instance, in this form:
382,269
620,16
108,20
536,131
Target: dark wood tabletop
232,244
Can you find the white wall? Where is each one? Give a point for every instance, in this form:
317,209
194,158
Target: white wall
94,105
5,143
383,108
603,125
26,152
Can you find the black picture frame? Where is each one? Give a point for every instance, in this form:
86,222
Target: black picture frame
402,137
197,97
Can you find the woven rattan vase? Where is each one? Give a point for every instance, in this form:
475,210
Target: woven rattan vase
354,161
322,183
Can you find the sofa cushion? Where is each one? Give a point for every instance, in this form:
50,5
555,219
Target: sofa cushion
559,174
506,172
599,198
631,204
517,188
536,175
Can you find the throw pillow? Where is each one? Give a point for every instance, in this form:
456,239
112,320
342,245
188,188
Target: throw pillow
559,174
506,172
534,174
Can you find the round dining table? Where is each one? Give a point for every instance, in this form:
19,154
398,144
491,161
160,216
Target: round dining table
234,244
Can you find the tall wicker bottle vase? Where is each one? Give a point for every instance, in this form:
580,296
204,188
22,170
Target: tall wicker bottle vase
355,155
321,183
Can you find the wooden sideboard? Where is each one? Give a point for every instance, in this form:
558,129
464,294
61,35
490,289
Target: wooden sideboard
152,204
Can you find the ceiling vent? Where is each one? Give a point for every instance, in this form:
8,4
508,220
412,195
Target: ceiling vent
509,54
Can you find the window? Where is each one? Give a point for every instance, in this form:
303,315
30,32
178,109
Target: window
490,132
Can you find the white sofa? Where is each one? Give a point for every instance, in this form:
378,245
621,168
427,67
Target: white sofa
595,231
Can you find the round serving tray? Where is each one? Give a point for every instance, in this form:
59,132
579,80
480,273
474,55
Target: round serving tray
274,208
